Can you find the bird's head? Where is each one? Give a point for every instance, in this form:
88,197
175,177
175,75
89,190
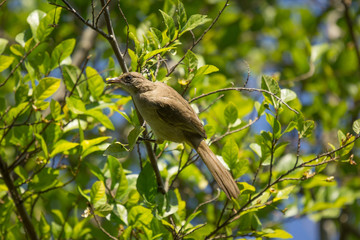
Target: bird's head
132,82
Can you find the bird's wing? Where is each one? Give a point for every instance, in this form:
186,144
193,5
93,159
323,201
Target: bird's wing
175,110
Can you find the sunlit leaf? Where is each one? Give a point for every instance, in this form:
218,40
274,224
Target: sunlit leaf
194,21
98,195
46,87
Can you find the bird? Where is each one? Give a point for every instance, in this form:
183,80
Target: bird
172,118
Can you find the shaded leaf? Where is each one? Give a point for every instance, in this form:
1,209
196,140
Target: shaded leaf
146,183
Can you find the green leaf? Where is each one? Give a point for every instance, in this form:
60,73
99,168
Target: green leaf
44,227
3,43
46,87
86,144
146,183
75,105
166,204
21,172
157,51
170,25
34,21
206,69
181,14
244,187
356,126
287,95
42,144
191,63
71,77
121,212
230,153
274,124
45,179
278,233
308,127
268,83
230,113
134,60
83,193
21,93
98,195
58,216
62,146
256,148
117,150
194,21
117,173
139,216
47,24
55,109
95,82
191,217
62,51
102,118
17,49
5,62
134,135
284,193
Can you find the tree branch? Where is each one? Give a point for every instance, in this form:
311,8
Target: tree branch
23,215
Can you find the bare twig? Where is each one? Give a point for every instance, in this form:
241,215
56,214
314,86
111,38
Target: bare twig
298,150
301,77
248,73
244,89
228,132
2,3
101,12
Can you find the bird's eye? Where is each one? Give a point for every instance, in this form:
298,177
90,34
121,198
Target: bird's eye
128,78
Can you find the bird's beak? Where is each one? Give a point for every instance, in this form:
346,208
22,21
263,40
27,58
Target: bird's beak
113,80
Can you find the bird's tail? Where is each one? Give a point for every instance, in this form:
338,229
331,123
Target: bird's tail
219,172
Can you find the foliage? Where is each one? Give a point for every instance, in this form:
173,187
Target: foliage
72,161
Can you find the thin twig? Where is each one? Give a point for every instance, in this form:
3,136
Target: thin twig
101,12
244,89
78,78
248,73
2,3
251,122
298,150
112,39
127,29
